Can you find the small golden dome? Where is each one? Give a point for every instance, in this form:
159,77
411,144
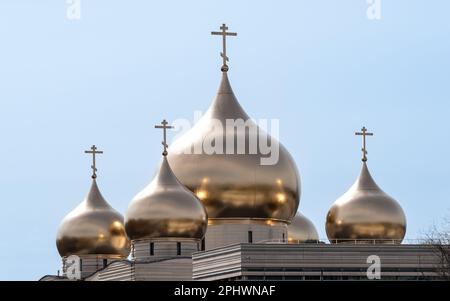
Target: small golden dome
365,212
164,209
93,228
231,183
302,230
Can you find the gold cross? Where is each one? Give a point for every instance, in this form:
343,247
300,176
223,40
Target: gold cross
93,151
164,126
224,35
364,133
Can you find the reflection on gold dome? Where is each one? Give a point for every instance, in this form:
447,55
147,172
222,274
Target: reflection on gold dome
302,230
365,212
235,185
94,227
164,209
202,194
281,197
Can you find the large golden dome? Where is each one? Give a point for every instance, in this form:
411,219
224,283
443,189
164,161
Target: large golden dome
165,209
93,227
302,230
231,184
365,212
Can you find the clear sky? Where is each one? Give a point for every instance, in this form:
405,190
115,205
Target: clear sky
322,67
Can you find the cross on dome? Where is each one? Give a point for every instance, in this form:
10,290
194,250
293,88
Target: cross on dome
224,33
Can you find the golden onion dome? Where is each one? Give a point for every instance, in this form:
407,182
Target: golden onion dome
93,228
365,212
165,209
302,230
230,182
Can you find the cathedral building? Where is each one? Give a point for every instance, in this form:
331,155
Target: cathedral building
226,216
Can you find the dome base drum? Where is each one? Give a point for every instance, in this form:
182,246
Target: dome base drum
222,232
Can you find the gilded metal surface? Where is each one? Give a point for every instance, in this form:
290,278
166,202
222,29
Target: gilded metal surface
93,227
165,208
235,185
302,230
246,221
366,212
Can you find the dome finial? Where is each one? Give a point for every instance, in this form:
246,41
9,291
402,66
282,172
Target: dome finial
364,133
93,151
164,125
224,35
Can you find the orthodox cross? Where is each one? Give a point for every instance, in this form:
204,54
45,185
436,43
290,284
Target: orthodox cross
364,133
224,35
164,125
93,151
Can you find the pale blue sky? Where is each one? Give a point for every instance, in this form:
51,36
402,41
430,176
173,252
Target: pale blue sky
319,66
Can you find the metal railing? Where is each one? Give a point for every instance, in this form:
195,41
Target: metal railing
367,241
